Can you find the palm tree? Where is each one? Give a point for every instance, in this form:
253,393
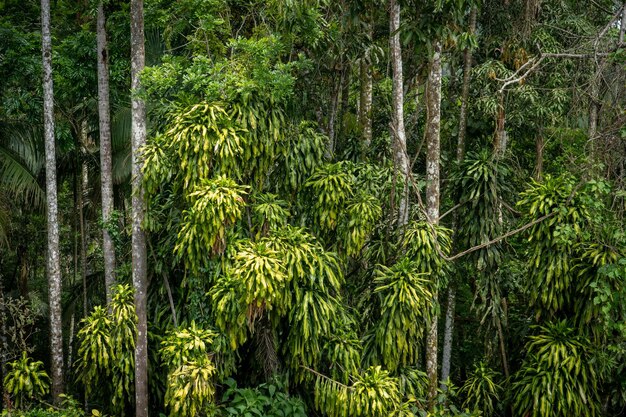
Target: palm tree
53,264
139,253
106,177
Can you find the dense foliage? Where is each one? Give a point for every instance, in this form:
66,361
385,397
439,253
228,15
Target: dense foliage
284,278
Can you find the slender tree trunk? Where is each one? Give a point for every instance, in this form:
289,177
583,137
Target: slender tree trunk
106,176
433,127
447,336
334,109
365,101
139,253
345,97
467,70
460,155
501,137
70,342
539,144
594,106
4,345
53,261
83,185
401,159
622,27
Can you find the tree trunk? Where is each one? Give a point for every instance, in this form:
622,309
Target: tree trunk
400,157
433,127
345,97
53,261
502,340
594,106
501,137
83,185
622,26
106,176
539,144
447,336
139,253
467,69
365,101
334,109
460,155
4,345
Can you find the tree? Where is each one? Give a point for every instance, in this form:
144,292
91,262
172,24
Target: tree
139,252
53,256
400,156
433,127
106,175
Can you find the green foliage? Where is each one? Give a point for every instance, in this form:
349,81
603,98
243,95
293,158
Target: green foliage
262,278
330,187
69,408
206,141
422,242
557,377
479,187
362,213
374,393
106,350
267,400
215,206
553,241
190,385
26,380
482,390
302,153
95,350
404,295
270,213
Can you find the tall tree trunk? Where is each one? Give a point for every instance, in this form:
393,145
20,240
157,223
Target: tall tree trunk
467,70
83,184
460,155
400,157
433,128
365,100
447,335
4,345
139,252
53,261
106,176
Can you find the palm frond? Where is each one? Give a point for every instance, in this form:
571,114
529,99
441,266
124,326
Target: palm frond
21,160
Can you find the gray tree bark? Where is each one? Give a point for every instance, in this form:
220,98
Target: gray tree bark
401,159
53,261
447,335
365,101
433,128
139,252
622,27
106,175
